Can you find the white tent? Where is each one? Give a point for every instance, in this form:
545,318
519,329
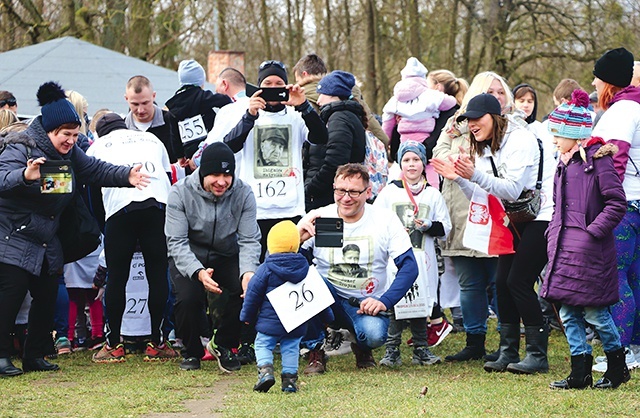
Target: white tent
98,73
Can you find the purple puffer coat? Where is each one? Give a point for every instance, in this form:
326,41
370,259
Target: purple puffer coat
589,204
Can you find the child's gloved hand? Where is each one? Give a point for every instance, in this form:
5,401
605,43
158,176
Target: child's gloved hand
100,278
423,225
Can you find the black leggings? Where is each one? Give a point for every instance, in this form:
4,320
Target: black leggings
122,232
517,274
14,283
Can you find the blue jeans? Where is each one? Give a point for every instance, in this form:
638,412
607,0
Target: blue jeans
370,331
61,316
573,318
289,350
476,276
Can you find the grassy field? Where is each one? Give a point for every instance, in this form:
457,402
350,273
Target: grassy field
137,389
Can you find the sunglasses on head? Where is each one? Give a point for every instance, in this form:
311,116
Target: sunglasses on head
10,102
270,63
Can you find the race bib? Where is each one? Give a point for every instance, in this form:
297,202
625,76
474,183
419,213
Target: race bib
297,303
136,320
192,128
275,193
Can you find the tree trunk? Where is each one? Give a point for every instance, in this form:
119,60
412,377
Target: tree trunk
223,39
453,31
266,36
348,35
114,25
414,29
139,28
371,87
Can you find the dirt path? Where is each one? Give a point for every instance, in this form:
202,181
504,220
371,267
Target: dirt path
208,404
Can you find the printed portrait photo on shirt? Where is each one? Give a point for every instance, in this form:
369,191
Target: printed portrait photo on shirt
272,150
350,266
405,212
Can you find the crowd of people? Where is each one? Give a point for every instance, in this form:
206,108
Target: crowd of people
222,194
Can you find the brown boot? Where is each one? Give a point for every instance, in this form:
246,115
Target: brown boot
317,363
364,358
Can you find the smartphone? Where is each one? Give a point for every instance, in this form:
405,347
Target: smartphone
269,94
56,177
329,232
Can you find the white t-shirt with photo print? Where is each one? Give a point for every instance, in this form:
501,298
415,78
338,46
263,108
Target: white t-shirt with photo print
379,237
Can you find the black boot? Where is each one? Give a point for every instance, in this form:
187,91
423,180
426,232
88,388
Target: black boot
509,346
580,376
473,351
289,382
8,369
617,372
537,337
38,365
265,378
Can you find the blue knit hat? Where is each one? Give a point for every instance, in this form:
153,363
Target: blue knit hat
415,147
572,120
56,109
191,73
337,83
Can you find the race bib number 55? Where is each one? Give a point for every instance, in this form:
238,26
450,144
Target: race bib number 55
192,129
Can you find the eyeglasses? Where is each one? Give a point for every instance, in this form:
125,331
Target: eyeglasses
10,102
352,193
269,63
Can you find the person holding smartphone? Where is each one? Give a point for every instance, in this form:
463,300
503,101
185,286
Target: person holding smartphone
268,142
31,256
361,300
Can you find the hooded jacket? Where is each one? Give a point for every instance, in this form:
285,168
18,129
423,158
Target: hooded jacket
192,101
418,107
589,204
346,144
276,270
201,227
29,220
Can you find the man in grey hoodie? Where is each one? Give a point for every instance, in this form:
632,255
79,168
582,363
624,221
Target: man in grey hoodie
214,245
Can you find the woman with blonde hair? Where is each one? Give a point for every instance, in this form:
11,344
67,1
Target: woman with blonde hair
81,105
7,117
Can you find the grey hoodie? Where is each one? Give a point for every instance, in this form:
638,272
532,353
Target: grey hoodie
201,227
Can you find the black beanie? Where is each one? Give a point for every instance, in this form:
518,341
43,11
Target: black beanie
615,67
108,123
268,68
217,158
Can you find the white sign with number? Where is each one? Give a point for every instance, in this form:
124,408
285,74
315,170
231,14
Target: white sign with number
296,303
192,129
136,320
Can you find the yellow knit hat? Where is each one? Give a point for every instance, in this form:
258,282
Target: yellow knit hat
283,238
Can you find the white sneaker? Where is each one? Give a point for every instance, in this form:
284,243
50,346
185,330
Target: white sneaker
630,359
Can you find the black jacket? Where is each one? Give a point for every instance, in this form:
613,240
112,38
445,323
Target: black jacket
346,144
191,101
